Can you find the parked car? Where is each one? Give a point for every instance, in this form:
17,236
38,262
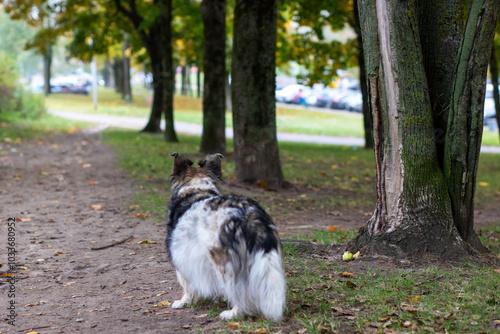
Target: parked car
302,95
288,93
319,98
336,100
353,102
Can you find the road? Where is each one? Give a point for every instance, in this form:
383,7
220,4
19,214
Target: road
138,123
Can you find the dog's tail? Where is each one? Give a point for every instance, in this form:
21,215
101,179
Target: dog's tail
268,285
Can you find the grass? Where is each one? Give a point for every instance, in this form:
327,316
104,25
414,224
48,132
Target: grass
382,296
40,128
188,109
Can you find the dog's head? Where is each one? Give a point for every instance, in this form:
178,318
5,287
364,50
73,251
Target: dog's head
207,173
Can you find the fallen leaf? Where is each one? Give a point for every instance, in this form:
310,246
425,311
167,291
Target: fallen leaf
141,215
70,283
91,183
147,242
351,285
348,274
161,294
128,297
355,256
407,323
414,299
408,308
384,319
86,165
332,228
8,275
497,270
262,184
59,252
33,304
260,330
302,331
96,207
164,303
17,176
25,268
40,260
165,312
234,325
24,220
32,333
43,173
484,184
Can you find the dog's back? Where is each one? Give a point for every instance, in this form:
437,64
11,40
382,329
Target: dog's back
226,245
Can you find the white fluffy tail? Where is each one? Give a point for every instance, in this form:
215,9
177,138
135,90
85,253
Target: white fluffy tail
267,284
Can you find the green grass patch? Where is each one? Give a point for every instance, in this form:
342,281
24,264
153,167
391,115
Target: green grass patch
382,296
46,125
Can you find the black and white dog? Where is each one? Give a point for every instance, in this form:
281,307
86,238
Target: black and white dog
222,245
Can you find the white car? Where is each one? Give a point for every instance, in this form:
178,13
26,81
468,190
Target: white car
288,93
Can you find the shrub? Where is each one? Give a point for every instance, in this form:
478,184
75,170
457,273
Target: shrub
15,101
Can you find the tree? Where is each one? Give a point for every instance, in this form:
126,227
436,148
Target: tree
213,138
152,22
40,14
252,92
426,74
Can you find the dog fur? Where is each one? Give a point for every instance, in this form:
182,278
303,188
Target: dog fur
223,246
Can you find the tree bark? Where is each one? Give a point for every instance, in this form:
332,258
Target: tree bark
198,83
253,92
108,74
465,121
494,82
213,138
413,213
47,65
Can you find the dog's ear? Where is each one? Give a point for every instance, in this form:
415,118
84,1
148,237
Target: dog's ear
181,163
212,164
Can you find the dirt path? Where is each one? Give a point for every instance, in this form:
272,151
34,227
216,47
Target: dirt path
69,196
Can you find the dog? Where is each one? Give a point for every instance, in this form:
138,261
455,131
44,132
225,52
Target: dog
222,246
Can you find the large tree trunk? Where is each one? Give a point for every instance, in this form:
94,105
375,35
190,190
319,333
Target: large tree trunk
159,46
253,92
127,87
416,210
465,121
47,65
494,82
213,138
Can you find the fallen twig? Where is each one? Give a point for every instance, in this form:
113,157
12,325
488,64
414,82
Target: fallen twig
113,244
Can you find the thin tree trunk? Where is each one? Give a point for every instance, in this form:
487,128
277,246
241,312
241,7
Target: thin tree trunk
183,80
47,65
367,120
118,71
494,82
213,138
198,83
108,74
127,87
253,92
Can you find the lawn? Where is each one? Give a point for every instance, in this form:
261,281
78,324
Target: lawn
188,109
325,294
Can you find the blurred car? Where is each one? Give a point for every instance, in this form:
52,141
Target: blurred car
70,89
288,93
337,98
302,95
352,102
319,98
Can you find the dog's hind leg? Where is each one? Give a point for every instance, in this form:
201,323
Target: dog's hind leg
229,314
186,298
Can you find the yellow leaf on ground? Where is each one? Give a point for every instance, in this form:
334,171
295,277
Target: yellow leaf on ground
147,242
234,325
97,207
261,330
332,228
414,299
164,303
484,184
348,274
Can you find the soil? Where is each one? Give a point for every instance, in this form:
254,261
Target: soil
86,263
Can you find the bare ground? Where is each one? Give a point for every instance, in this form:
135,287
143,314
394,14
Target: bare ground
70,199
